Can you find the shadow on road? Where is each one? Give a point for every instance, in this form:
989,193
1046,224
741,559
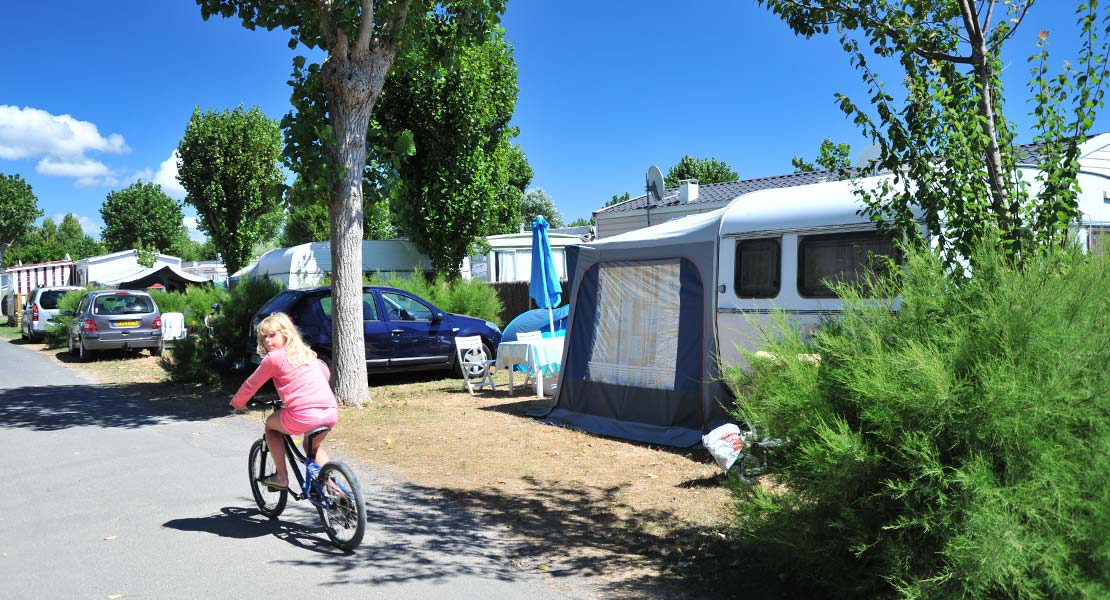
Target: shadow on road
439,535
54,407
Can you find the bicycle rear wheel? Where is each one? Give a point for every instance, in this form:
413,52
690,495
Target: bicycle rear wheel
342,509
270,502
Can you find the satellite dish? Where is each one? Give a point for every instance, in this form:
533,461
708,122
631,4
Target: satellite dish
867,157
655,185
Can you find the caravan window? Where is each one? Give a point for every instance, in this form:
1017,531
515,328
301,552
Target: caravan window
844,257
758,264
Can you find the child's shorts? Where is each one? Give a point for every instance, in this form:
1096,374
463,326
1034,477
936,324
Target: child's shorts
298,421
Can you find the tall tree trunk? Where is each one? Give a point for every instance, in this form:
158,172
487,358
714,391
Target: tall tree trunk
352,82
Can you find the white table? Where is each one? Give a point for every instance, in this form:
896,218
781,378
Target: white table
538,357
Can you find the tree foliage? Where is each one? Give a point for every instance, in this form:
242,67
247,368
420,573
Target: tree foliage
537,202
830,157
362,38
951,149
50,241
230,168
19,207
582,222
705,170
464,178
618,198
141,215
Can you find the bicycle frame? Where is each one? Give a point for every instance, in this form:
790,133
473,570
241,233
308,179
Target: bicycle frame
295,458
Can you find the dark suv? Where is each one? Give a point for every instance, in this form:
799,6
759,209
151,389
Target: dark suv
115,319
403,331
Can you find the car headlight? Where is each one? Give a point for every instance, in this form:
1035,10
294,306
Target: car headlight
493,326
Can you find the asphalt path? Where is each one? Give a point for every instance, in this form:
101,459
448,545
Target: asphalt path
109,493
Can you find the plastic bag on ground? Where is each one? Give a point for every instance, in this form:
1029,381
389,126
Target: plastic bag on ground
725,444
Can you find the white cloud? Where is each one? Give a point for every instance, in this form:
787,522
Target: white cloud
80,166
61,140
167,177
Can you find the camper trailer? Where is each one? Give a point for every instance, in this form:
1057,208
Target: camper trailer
654,311
307,265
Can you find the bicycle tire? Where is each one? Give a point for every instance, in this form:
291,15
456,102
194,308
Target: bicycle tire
270,502
342,509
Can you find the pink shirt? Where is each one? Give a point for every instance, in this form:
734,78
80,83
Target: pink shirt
305,386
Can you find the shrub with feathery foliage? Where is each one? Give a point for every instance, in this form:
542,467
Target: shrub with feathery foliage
958,447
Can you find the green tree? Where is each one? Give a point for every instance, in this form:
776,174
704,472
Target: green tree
141,213
18,210
50,241
705,170
582,222
74,241
949,140
306,216
537,202
830,157
362,38
230,168
190,250
617,199
460,181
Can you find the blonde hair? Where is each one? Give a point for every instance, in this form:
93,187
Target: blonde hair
296,352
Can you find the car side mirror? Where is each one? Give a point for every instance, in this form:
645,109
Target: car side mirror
68,313
437,317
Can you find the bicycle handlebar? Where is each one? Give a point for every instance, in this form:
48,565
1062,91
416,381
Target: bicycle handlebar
256,403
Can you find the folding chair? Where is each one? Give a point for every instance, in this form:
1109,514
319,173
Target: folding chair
477,370
529,336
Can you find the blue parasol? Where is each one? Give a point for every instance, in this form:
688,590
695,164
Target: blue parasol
544,288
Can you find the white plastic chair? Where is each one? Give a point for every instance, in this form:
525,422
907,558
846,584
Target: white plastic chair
173,329
529,336
477,370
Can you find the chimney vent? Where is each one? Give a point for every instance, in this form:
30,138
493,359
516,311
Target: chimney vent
687,190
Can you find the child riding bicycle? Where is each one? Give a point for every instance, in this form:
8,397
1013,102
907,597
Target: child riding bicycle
302,384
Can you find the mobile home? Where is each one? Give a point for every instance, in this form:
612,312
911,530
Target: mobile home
656,310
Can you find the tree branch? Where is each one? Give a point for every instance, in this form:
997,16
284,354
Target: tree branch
365,27
327,27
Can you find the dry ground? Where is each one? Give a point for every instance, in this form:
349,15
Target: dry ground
642,521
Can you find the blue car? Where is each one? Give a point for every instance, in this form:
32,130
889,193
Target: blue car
403,331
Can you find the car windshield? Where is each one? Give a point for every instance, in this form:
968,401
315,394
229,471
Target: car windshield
122,304
49,299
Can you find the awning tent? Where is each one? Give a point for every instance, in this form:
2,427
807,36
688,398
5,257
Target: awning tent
640,357
171,278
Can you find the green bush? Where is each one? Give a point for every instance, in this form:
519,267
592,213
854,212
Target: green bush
473,297
233,326
956,448
194,303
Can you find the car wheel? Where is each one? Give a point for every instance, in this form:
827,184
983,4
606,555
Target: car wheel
473,355
158,351
83,353
69,344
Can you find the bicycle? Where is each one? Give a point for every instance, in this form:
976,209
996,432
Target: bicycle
753,460
332,488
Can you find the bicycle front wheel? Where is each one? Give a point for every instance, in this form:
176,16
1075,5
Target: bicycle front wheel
341,507
270,501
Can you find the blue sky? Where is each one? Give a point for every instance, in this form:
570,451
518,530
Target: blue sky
95,95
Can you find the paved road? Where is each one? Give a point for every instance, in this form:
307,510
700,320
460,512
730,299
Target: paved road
106,492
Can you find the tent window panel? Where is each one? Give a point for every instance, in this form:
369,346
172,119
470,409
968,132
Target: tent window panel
638,318
853,258
758,264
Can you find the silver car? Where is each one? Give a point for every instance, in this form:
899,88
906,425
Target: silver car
40,309
113,320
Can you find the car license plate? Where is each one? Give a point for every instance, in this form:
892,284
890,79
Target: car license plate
125,324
